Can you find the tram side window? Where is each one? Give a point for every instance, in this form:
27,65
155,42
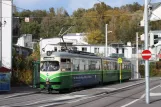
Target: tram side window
110,66
82,65
98,65
129,66
66,64
123,66
92,65
113,65
105,65
86,64
76,65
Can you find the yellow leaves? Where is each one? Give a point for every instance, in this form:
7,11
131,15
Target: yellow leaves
95,37
24,76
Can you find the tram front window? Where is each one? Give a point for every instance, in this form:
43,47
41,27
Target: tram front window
49,66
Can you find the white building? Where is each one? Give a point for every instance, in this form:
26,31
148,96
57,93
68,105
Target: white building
25,40
155,43
6,33
77,40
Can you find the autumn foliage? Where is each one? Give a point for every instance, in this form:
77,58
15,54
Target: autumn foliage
22,72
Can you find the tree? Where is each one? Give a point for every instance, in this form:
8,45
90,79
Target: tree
31,27
95,37
79,20
131,7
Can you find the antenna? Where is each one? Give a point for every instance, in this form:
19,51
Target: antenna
61,35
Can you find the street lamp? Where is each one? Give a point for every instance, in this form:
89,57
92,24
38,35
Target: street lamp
137,63
106,31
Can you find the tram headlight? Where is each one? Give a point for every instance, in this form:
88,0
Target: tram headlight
47,79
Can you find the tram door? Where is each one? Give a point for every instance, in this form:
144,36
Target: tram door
36,74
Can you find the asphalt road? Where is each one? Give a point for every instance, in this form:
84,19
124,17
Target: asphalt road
114,95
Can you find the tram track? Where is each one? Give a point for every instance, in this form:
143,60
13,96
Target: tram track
105,95
63,100
111,95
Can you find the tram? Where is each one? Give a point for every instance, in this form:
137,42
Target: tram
70,69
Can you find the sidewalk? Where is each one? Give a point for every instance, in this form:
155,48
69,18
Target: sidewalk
19,91
155,99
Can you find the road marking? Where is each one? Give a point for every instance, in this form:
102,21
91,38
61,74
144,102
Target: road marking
139,98
107,88
73,101
17,94
155,94
66,97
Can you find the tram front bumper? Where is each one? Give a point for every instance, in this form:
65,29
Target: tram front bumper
50,85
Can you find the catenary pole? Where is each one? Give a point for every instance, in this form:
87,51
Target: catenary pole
137,70
106,41
146,48
0,33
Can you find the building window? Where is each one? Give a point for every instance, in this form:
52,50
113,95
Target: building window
96,50
84,49
117,50
123,50
55,49
133,50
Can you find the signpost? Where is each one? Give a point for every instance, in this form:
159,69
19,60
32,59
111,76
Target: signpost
119,60
146,54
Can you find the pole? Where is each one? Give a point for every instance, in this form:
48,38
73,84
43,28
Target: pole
137,71
1,33
120,72
106,41
146,47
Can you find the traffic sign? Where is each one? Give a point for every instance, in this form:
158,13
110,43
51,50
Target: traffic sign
119,60
146,54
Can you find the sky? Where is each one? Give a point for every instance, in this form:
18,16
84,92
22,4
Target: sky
71,5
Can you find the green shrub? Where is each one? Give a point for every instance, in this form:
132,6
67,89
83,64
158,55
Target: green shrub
22,72
158,65
154,69
142,70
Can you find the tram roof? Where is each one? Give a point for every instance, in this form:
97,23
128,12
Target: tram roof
67,54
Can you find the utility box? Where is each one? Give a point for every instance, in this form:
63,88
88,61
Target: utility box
36,74
5,76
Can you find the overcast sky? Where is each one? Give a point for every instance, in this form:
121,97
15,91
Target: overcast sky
71,5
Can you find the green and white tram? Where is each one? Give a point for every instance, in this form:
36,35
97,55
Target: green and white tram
66,70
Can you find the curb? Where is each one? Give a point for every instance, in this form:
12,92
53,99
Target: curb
122,88
20,94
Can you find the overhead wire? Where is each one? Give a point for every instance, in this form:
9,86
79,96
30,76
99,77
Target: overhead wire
13,5
156,16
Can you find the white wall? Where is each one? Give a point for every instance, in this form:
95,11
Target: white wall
21,41
7,33
77,40
78,37
156,14
25,38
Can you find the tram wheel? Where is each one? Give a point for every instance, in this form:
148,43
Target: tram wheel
50,91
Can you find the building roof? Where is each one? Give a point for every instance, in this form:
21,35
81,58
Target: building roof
155,5
75,34
16,46
4,69
117,44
